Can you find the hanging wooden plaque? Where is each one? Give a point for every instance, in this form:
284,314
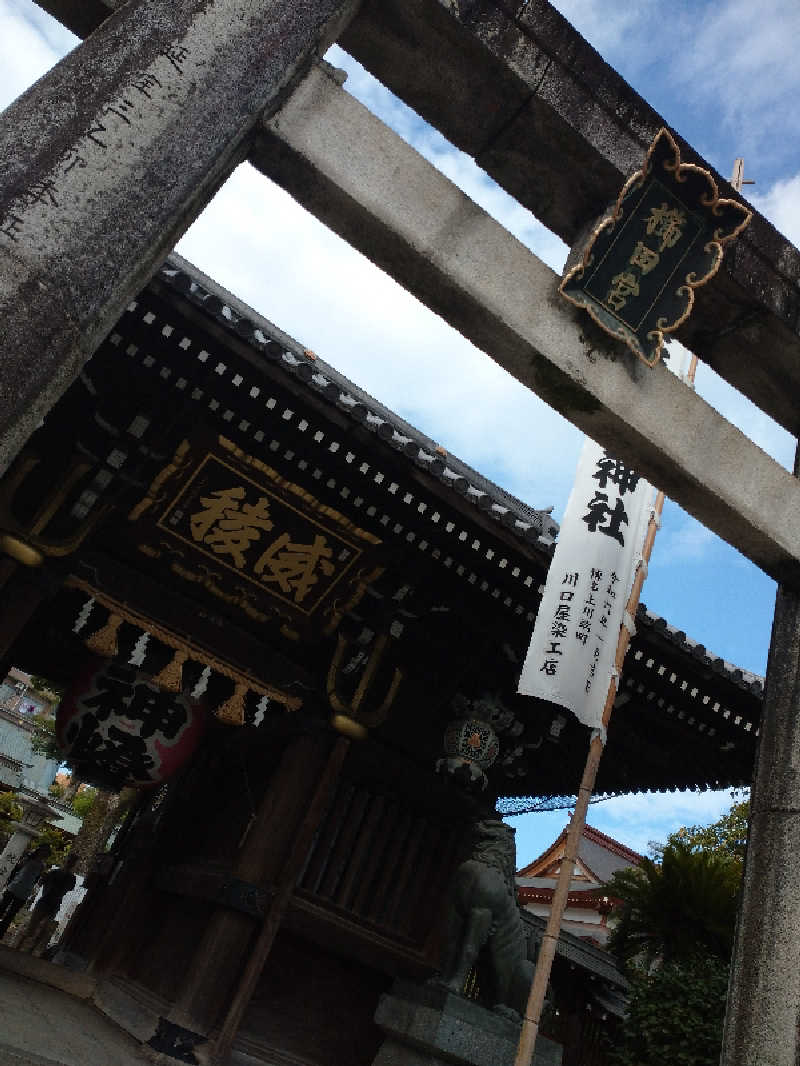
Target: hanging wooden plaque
661,240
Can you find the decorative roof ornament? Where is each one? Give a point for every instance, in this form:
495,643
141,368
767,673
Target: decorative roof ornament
637,273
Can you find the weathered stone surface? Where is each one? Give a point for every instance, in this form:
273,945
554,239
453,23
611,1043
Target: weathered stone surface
107,159
761,1026
343,164
515,86
427,1026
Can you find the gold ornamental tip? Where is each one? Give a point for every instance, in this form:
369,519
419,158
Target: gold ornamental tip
19,550
349,727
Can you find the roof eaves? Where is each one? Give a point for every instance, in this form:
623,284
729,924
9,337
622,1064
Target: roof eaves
530,525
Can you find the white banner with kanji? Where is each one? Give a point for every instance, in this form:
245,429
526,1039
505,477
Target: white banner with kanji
574,643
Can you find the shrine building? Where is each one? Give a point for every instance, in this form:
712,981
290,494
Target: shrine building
314,617
294,622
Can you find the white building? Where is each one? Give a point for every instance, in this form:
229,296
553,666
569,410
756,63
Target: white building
599,857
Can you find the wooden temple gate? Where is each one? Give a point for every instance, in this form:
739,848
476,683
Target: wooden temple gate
346,570
426,606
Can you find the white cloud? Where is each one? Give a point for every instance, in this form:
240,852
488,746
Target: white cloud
781,205
746,54
609,27
639,819
688,541
636,821
259,243
27,52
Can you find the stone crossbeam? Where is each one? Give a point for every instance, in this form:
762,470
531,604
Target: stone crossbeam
514,85
106,160
367,184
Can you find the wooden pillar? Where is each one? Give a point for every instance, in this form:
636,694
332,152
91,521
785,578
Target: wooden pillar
22,591
106,161
224,949
763,1015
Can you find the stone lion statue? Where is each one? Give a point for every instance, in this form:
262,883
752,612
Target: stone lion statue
484,927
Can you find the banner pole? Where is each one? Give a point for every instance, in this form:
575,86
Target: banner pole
544,962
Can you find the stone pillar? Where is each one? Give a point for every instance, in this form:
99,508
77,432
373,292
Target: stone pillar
761,1025
34,816
106,161
427,1025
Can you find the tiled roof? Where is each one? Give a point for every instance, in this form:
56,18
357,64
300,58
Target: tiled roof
746,680
593,835
530,525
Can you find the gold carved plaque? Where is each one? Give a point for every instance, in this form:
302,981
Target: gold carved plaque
257,528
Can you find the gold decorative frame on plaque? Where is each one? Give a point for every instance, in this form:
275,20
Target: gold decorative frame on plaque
637,273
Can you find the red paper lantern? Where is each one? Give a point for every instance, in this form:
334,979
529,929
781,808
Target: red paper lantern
117,727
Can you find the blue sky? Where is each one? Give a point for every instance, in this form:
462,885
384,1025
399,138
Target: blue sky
724,75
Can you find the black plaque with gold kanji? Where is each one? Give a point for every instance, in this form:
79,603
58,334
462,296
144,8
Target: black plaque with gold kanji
663,238
251,531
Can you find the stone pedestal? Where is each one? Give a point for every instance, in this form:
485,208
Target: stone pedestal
34,814
426,1025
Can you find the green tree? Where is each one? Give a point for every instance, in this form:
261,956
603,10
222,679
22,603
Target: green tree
675,1015
673,936
83,800
105,812
727,836
59,843
676,907
43,737
10,810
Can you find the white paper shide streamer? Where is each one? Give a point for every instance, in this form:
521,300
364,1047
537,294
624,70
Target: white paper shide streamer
574,643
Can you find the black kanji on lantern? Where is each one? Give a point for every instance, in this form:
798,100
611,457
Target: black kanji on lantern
119,689
125,721
116,754
111,691
159,712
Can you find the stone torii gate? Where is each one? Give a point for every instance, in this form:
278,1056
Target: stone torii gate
109,158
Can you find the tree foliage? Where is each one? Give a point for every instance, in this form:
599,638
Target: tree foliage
727,836
59,843
10,810
83,800
675,1015
676,907
674,936
43,737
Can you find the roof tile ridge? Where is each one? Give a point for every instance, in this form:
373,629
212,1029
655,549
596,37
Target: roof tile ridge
524,871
